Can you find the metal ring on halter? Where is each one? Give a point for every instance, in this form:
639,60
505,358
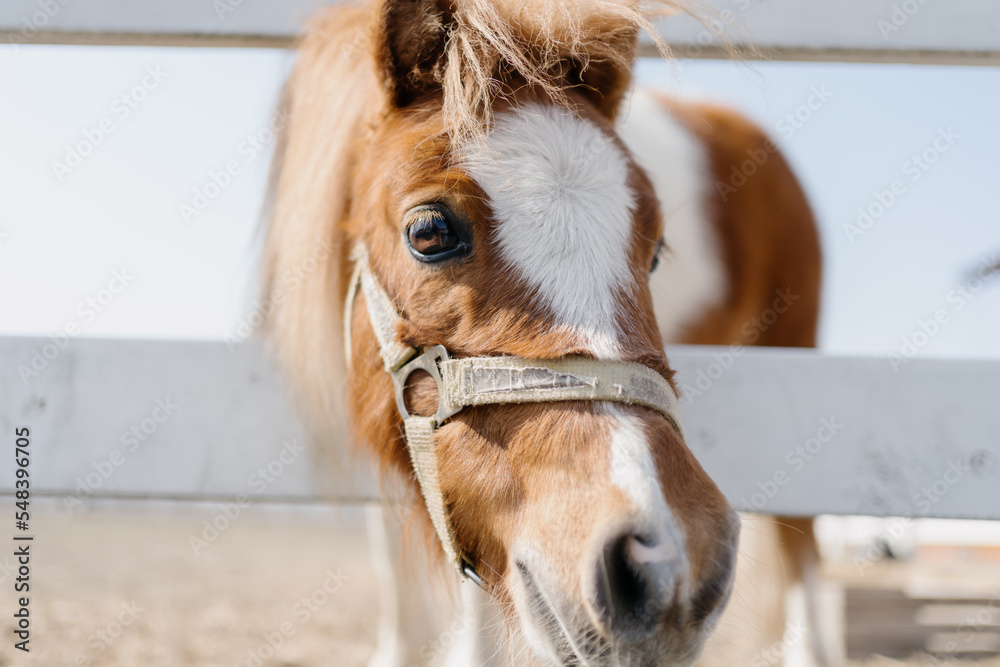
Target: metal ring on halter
428,361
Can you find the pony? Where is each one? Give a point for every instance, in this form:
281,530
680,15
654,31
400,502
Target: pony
491,209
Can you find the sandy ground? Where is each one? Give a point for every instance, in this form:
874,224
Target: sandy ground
130,591
127,589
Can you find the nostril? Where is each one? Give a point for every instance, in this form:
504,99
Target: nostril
630,589
624,576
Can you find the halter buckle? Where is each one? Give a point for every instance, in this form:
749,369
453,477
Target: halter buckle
428,361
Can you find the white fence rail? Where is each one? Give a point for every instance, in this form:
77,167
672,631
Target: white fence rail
781,431
956,31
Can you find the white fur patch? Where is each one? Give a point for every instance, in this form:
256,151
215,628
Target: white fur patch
691,277
634,472
559,190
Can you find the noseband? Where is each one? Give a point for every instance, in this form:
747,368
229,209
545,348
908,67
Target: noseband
495,380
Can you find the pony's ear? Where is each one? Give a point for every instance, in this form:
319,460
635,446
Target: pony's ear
411,46
603,83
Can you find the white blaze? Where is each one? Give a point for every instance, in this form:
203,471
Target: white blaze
634,472
559,191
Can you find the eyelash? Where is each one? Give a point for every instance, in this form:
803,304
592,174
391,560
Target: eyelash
657,256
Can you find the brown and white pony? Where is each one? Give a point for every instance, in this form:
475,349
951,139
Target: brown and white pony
513,198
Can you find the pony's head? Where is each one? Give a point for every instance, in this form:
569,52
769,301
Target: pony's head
465,152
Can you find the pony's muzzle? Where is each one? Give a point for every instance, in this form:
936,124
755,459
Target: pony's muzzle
639,597
642,583
638,578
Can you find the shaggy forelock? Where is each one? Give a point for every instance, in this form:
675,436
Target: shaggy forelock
495,41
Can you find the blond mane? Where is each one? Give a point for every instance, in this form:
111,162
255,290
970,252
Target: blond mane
331,92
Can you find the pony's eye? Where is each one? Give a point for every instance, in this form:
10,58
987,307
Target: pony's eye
432,235
657,254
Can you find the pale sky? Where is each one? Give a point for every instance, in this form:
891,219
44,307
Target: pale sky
156,123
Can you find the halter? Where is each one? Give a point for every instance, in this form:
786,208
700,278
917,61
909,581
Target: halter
494,380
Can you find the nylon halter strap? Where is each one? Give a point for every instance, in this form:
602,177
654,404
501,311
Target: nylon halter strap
474,381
